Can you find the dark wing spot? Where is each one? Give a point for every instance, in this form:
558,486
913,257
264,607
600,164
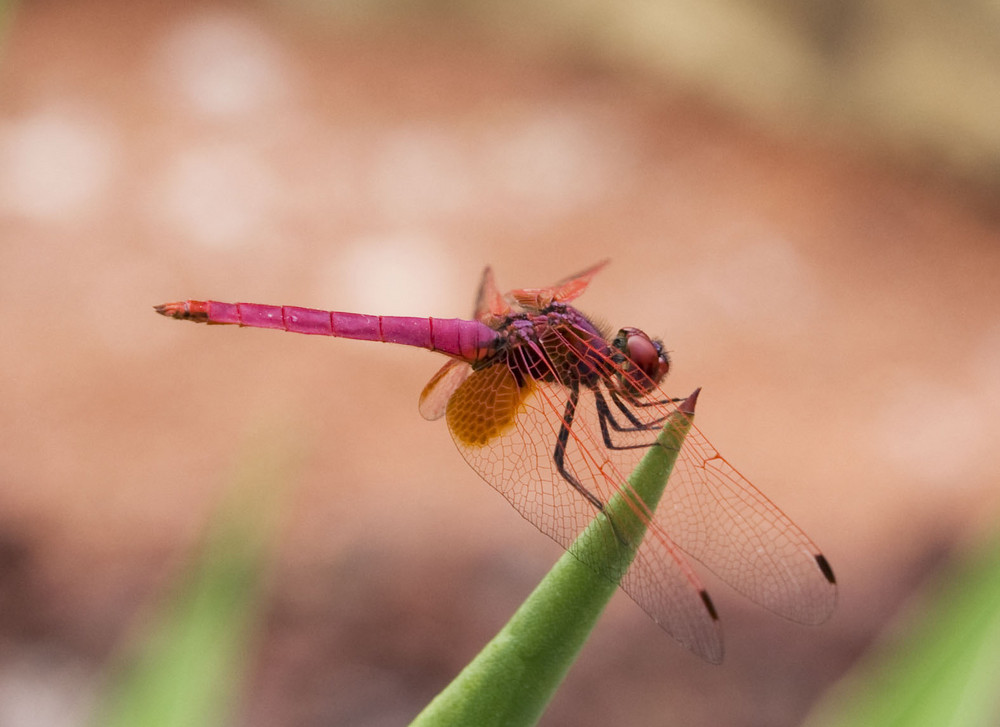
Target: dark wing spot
825,568
709,605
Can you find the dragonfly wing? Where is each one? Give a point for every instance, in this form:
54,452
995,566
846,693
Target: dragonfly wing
709,509
715,515
672,599
434,397
490,303
573,287
723,521
536,299
507,432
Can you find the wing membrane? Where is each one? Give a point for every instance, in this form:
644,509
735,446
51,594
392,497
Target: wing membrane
434,398
708,509
518,462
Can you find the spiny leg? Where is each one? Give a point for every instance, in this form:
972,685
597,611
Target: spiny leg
624,409
559,457
606,418
562,440
652,402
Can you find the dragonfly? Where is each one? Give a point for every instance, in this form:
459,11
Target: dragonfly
554,412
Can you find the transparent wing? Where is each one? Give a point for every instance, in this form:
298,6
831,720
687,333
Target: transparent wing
508,432
490,303
719,518
434,397
566,290
713,512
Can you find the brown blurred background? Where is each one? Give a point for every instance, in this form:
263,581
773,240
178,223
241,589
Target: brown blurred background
801,198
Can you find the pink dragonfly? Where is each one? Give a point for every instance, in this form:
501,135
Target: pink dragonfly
554,414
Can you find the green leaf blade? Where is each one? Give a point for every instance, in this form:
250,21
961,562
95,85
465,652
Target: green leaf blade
511,681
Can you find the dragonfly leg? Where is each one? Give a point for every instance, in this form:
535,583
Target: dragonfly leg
657,402
608,422
623,408
559,457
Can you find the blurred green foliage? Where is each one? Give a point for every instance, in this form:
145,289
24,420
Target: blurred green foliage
7,8
941,664
918,79
188,660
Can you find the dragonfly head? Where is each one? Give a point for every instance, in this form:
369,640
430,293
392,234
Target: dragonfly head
634,350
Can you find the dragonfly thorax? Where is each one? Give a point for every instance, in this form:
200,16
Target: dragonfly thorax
558,343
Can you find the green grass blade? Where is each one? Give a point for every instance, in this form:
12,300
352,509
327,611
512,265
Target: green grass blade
944,673
512,680
188,667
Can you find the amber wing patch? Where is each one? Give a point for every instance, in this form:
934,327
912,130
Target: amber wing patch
485,406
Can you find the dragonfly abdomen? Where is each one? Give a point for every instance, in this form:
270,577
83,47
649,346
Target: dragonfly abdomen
468,340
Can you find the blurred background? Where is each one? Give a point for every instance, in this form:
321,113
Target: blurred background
800,198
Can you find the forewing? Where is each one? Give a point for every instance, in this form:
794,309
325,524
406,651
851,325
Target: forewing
714,513
507,431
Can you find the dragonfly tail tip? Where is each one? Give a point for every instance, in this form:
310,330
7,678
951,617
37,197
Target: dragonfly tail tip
171,310
191,310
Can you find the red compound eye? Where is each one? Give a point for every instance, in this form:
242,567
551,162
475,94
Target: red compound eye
647,355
